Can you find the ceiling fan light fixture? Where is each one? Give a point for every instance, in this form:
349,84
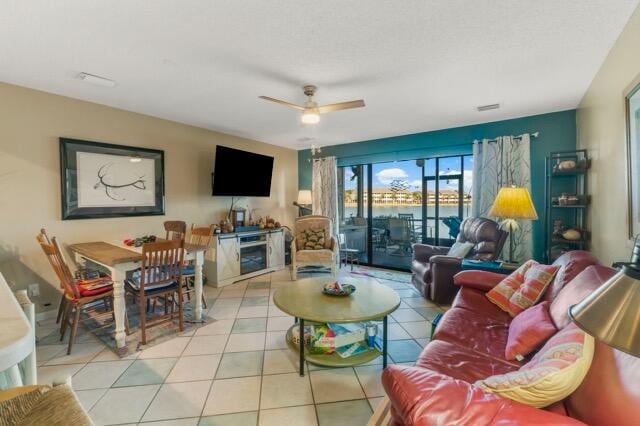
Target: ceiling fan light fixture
310,117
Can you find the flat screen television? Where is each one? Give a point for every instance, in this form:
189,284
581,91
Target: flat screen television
241,174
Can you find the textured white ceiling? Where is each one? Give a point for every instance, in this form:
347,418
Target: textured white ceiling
419,64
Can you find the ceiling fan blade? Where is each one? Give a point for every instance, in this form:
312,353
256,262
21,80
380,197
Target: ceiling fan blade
285,103
341,105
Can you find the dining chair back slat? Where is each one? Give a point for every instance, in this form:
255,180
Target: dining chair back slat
175,229
201,235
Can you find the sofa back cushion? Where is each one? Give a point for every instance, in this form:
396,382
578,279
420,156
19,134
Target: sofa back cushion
571,264
579,288
486,236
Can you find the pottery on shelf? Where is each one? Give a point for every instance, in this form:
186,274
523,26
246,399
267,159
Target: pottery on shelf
572,235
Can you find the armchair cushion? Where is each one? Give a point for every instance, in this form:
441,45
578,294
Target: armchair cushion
322,255
422,397
460,249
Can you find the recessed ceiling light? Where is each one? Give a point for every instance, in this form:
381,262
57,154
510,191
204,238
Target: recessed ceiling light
95,79
488,107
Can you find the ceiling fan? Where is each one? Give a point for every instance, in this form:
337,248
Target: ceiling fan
310,110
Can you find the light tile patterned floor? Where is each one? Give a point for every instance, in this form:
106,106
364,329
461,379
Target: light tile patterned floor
236,370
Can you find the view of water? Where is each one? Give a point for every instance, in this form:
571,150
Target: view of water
390,210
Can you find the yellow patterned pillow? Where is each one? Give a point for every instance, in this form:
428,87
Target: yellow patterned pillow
553,373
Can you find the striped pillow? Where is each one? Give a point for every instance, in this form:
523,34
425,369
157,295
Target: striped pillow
523,288
536,281
502,292
552,374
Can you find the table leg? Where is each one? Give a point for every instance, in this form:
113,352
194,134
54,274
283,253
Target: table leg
301,329
119,308
197,300
384,342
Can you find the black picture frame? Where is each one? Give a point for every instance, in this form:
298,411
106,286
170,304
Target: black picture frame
69,149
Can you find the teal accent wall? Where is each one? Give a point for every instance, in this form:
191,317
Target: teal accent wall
557,133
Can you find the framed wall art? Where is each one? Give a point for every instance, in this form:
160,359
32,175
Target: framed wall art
633,159
100,180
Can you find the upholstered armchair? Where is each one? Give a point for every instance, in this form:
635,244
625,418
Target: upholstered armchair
433,270
323,253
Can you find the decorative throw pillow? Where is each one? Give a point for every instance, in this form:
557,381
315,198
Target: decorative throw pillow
502,292
459,249
528,331
523,288
552,374
313,239
536,280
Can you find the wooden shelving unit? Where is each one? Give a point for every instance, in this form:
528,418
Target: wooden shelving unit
566,202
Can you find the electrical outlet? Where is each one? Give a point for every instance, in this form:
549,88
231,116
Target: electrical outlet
34,290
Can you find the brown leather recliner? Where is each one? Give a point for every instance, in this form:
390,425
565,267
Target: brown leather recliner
433,271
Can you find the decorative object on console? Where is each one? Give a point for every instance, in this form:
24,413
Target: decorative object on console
238,217
513,203
104,180
612,313
551,375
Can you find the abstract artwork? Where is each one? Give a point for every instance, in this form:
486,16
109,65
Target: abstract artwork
106,180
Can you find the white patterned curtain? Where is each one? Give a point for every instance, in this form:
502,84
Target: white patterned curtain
325,189
505,162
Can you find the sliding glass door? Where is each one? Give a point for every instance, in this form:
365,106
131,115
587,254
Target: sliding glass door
387,207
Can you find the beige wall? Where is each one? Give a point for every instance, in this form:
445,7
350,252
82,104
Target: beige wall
601,129
30,124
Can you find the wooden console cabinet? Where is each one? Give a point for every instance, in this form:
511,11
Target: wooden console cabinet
237,256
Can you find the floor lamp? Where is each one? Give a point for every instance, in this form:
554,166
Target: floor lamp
510,204
304,201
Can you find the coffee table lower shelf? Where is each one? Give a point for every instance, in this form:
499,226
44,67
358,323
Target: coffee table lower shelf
332,360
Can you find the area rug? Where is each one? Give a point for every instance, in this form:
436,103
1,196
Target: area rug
400,277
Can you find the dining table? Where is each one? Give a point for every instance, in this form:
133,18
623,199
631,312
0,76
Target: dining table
119,259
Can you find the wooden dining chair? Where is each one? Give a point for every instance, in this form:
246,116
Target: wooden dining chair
76,295
201,236
175,229
159,277
43,238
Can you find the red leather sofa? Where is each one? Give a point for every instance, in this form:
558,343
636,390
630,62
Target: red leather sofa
469,344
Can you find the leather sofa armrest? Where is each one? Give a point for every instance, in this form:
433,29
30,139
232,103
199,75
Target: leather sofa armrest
479,280
423,252
422,397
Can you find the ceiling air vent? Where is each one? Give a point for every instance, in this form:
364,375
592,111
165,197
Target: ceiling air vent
488,107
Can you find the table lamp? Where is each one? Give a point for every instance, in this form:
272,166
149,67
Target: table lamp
304,201
611,314
510,204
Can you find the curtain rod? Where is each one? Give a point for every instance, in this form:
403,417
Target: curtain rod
535,135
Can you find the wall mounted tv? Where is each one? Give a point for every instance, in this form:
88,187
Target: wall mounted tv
241,174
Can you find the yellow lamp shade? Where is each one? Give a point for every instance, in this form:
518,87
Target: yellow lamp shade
513,203
304,197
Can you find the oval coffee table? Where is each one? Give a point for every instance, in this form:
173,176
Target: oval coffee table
304,300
